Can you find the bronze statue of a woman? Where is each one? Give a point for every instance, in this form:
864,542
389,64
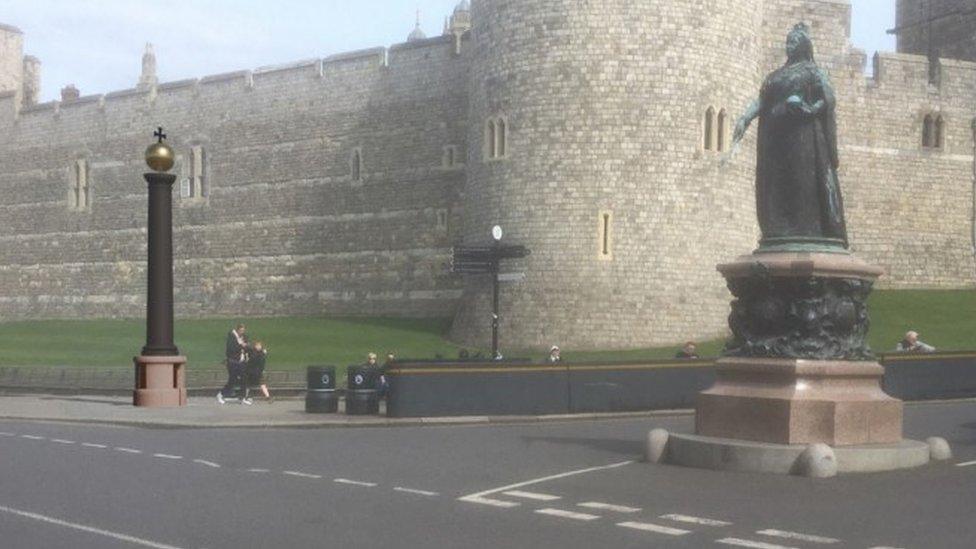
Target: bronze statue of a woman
798,198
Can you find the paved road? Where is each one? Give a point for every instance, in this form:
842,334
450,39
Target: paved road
542,485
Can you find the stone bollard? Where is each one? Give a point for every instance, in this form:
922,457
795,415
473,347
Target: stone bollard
657,444
817,461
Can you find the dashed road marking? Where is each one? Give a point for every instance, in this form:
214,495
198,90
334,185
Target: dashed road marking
89,529
258,470
797,536
207,463
966,464
567,514
5,434
753,544
609,507
354,482
32,437
531,495
657,529
491,502
300,474
415,491
696,520
62,441
91,445
167,456
128,450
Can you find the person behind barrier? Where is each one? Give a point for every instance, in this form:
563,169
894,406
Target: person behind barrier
235,354
257,355
688,351
912,344
553,357
383,385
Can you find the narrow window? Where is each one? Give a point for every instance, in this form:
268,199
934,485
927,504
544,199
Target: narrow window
80,197
720,131
442,219
450,156
938,140
197,172
490,139
606,235
357,165
502,138
709,129
928,130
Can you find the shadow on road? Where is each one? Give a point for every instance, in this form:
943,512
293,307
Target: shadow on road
627,448
89,400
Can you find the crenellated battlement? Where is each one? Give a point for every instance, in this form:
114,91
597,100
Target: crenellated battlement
335,71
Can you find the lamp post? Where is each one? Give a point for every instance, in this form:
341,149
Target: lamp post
160,376
496,235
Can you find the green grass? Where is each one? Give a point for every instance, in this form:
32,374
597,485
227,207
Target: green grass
945,319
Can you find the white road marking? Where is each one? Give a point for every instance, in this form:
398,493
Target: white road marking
491,502
207,463
966,464
354,482
479,497
797,536
4,434
531,495
753,544
167,456
89,529
567,514
609,507
90,445
258,470
414,491
696,520
128,450
62,441
648,527
300,474
32,437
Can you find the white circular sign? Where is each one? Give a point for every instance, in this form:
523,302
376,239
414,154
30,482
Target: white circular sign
358,380
496,232
325,379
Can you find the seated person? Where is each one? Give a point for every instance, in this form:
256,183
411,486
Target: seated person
688,351
912,344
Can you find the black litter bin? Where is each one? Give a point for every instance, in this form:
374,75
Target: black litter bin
320,396
361,396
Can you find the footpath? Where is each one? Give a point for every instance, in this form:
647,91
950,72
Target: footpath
204,412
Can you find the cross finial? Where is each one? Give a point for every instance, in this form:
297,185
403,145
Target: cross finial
418,18
159,133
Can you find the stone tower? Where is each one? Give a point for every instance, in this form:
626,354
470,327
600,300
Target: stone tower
148,78
11,59
604,173
941,28
31,80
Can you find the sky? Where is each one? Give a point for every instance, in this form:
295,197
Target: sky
97,45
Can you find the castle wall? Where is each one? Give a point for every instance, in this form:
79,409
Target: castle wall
604,102
950,34
282,228
11,58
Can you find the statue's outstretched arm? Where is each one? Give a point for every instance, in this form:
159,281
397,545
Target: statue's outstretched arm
752,112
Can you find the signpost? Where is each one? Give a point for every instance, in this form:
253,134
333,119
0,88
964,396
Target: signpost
477,260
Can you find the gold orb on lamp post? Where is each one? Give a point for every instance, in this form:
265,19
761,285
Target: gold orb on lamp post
159,155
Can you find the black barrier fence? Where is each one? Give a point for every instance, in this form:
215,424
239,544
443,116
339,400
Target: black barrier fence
456,388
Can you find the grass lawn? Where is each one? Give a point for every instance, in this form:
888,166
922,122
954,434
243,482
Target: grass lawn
945,319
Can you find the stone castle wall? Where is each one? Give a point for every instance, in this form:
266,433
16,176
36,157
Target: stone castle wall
282,228
604,105
949,34
11,58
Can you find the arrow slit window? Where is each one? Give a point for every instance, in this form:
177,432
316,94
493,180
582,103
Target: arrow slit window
79,191
356,165
605,233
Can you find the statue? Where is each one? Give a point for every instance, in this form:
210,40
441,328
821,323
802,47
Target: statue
798,199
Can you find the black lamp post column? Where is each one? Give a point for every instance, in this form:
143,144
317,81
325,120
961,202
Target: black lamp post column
160,376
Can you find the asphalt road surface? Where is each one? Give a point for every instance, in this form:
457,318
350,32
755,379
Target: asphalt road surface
567,485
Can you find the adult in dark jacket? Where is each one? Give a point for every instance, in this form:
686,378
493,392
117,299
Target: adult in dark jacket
235,355
256,357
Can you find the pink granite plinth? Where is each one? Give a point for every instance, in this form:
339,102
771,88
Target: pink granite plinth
160,381
796,401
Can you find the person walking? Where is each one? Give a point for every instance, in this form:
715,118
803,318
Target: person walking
256,357
235,354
